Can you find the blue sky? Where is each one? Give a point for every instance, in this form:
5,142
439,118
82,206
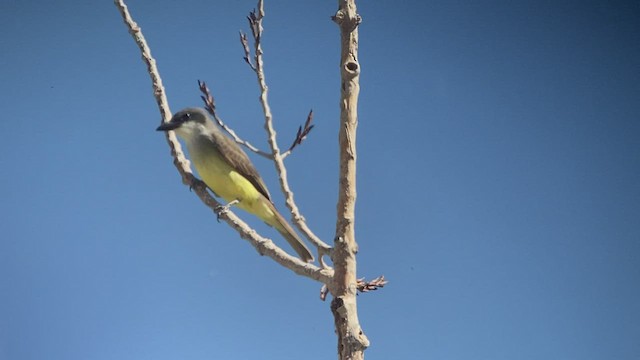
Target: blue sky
498,181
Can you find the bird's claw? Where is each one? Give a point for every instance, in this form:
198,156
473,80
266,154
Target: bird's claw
224,208
195,182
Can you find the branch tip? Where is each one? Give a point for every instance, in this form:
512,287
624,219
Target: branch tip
375,284
302,132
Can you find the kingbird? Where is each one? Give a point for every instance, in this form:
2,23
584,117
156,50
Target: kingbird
228,172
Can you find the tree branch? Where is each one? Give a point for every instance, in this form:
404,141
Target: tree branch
210,105
375,284
255,23
263,245
301,135
302,132
247,51
351,339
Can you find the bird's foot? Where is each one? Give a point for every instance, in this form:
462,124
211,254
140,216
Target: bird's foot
224,208
196,182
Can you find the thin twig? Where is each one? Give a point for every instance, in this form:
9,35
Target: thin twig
302,132
210,105
375,284
263,245
301,135
247,50
255,23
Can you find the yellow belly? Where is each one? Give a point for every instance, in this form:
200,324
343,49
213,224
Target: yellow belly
231,185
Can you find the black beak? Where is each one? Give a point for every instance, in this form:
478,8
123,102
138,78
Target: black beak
168,126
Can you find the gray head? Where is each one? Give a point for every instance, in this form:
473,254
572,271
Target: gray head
188,123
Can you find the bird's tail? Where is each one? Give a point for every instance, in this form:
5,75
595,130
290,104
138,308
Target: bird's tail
291,236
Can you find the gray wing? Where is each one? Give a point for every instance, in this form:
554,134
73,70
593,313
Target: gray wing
238,159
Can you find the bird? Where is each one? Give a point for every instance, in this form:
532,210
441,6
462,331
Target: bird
227,170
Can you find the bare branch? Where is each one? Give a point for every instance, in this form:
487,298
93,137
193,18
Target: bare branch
263,245
301,135
324,291
210,105
158,89
351,339
375,284
247,51
256,29
255,23
362,286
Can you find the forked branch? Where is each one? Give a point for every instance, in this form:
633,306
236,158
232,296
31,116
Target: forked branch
210,105
302,131
301,135
255,23
263,245
372,285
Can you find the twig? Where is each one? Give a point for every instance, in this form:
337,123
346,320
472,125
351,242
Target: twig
301,135
263,245
362,286
158,89
210,105
375,284
302,132
255,23
247,51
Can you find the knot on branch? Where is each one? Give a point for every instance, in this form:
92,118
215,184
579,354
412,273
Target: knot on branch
348,20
